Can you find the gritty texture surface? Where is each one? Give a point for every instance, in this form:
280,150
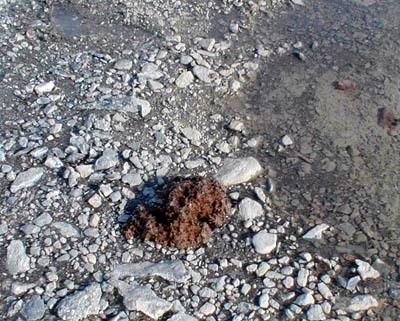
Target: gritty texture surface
193,208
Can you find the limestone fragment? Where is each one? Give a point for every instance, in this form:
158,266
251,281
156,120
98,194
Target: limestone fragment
362,303
17,260
316,232
237,171
264,242
250,209
27,179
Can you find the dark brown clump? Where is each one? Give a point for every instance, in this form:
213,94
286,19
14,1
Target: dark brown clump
386,118
194,207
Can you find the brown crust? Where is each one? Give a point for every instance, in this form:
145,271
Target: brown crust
194,207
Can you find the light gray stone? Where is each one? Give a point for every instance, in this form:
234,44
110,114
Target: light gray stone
182,317
264,242
66,229
17,260
29,229
263,301
173,271
19,288
315,313
236,125
27,179
304,299
362,303
43,219
80,304
316,232
3,228
150,71
108,160
184,79
133,179
366,271
142,299
85,170
207,308
44,88
123,64
34,308
192,134
205,74
250,209
207,44
53,162
302,277
237,171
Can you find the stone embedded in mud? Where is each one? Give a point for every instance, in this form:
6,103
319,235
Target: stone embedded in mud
193,208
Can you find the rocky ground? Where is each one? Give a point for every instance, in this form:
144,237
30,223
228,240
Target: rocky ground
292,105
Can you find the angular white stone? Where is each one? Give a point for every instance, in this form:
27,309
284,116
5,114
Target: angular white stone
315,313
286,140
237,171
316,232
207,308
123,64
142,299
264,242
17,260
81,304
184,79
366,271
304,300
173,271
302,277
182,317
250,209
27,179
45,87
362,303
205,74
66,229
263,301
325,291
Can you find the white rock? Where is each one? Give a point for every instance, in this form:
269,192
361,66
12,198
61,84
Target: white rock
264,242
366,271
182,317
325,291
298,2
95,200
237,171
123,64
184,79
304,299
250,209
362,303
263,301
45,87
17,260
286,140
315,313
302,277
192,134
236,125
316,232
207,308
205,74
26,179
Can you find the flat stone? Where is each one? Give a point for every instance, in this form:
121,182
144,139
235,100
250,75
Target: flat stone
34,308
316,232
66,229
17,260
142,299
53,162
95,200
207,308
302,277
173,271
182,317
192,134
108,160
123,64
207,44
129,104
315,313
366,271
205,74
150,71
263,301
286,140
133,179
3,228
44,88
304,300
29,229
236,125
79,305
362,303
19,288
250,209
184,79
27,179
264,242
43,219
85,170
237,171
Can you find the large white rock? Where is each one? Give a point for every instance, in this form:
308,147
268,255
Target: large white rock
26,179
362,303
17,260
366,271
237,171
250,209
316,232
264,242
